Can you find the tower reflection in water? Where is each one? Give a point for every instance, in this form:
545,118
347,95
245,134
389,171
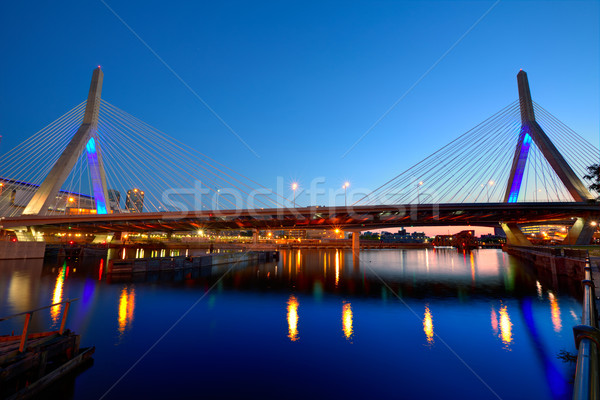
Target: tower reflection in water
292,318
126,309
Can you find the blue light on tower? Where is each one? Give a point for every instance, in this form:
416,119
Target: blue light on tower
516,184
95,175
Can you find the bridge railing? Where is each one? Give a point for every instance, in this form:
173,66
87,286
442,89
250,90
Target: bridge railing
557,251
29,314
587,340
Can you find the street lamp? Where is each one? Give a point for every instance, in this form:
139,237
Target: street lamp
346,185
294,187
419,192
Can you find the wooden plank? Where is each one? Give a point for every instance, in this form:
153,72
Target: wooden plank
64,369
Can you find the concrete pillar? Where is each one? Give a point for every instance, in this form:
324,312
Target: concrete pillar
514,236
581,233
25,236
103,238
255,233
355,243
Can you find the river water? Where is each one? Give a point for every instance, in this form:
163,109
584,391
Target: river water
407,324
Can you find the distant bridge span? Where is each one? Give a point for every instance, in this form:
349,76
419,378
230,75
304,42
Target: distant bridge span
357,218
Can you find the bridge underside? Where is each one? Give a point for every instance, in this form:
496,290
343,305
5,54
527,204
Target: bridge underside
346,218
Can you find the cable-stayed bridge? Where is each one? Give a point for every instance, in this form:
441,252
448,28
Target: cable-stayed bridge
98,169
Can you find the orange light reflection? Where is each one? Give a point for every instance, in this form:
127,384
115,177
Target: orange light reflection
505,327
347,321
555,311
126,309
428,325
292,317
58,293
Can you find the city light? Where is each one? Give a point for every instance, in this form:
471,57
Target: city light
294,187
71,199
346,186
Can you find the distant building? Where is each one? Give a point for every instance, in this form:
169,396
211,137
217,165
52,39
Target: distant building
135,200
461,240
15,195
114,197
399,237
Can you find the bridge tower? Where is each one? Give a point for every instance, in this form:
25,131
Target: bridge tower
582,231
86,138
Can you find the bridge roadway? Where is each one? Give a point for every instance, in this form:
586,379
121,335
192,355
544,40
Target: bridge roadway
346,218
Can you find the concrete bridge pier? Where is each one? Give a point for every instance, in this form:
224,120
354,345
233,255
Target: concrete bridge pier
28,234
514,236
255,234
356,249
581,233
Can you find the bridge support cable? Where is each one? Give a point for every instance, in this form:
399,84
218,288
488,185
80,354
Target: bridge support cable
190,178
96,153
485,166
533,132
458,170
84,138
24,167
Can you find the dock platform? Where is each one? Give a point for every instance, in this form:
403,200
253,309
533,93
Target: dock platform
30,362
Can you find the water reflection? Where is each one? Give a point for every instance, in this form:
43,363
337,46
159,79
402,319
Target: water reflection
126,309
101,269
347,321
494,321
428,325
538,287
57,296
292,318
505,327
337,267
555,312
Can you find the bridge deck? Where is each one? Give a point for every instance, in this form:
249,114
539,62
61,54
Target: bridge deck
349,218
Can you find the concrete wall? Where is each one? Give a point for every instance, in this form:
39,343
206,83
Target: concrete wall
21,250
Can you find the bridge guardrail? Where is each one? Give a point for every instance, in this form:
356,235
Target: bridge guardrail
557,251
587,340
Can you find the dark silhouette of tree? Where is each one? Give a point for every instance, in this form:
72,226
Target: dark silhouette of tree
594,176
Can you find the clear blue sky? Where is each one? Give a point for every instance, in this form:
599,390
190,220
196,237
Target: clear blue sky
301,81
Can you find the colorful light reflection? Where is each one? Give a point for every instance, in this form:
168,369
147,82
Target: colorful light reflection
428,325
126,309
555,312
505,327
58,293
292,318
347,321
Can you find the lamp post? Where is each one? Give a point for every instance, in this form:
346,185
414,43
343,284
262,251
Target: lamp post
346,184
419,192
294,187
